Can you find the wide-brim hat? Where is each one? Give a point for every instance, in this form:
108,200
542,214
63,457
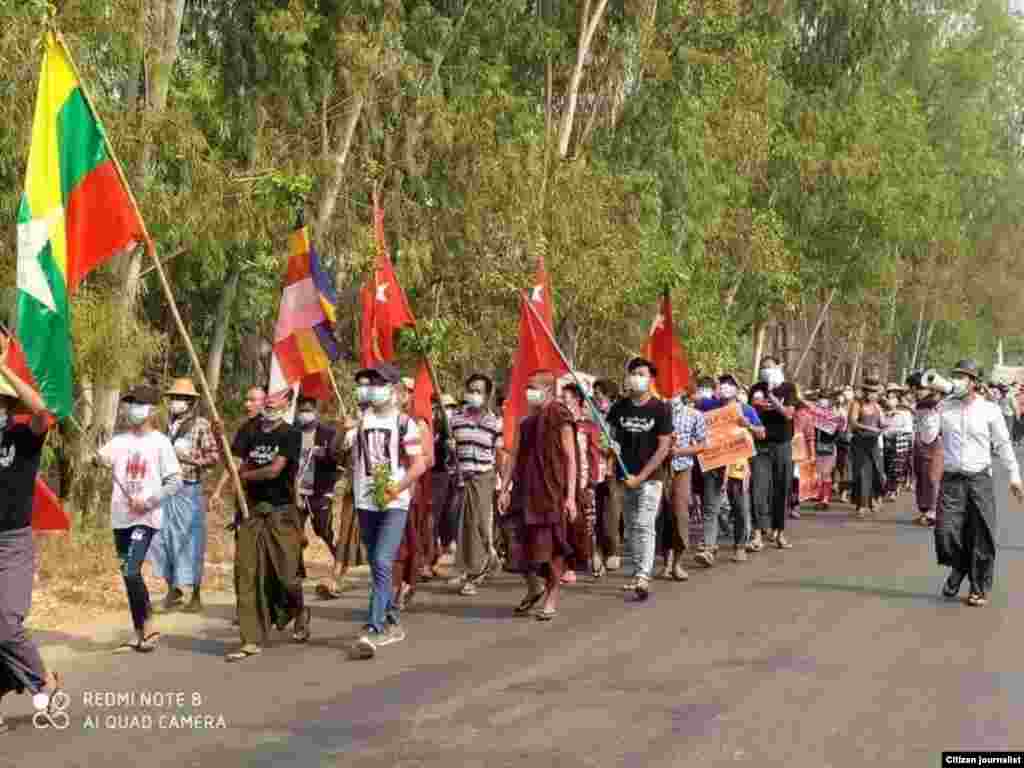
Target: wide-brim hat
447,401
142,395
386,371
894,387
967,368
6,389
871,385
182,388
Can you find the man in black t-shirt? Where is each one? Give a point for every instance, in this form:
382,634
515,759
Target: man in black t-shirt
775,400
21,446
270,540
641,426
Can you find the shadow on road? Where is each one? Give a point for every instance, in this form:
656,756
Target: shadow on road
823,586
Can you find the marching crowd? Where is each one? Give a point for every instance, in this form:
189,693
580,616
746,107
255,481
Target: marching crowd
595,481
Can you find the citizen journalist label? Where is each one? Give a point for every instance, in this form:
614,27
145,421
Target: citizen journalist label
982,758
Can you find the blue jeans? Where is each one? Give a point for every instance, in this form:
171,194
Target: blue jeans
382,535
714,493
132,545
640,510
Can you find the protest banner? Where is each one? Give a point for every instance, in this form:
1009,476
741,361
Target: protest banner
727,441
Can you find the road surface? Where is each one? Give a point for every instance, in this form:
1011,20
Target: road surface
839,653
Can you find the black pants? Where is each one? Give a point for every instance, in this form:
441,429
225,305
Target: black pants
132,545
447,503
770,482
965,527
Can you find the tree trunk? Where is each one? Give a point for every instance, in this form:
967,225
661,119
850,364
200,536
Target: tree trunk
760,331
588,25
215,360
329,199
927,343
917,339
859,359
814,332
999,351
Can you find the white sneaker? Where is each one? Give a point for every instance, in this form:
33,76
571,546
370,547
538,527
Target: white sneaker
614,563
643,587
705,557
366,647
392,634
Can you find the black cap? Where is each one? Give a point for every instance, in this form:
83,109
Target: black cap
387,372
142,395
641,362
967,368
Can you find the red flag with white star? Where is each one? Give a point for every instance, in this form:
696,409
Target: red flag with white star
664,350
385,308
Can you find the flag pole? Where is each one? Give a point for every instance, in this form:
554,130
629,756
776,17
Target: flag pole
337,393
598,416
204,386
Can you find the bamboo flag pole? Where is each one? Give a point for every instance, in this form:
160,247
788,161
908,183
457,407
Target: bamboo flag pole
204,386
337,393
586,394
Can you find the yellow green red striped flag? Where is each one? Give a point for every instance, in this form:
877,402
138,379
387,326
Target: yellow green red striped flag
75,214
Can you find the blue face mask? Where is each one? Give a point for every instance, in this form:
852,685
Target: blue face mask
380,394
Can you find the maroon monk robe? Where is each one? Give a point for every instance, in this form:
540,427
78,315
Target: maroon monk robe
544,476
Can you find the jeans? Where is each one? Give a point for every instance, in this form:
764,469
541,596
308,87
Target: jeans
382,535
132,545
640,510
739,505
714,492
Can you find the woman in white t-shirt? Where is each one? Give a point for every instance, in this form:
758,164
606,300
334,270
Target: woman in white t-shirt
146,471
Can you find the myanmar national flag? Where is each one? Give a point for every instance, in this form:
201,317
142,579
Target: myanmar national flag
75,214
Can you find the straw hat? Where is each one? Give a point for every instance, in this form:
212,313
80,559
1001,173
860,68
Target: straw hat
182,388
447,401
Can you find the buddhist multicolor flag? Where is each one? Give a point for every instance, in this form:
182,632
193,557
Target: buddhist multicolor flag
304,342
75,214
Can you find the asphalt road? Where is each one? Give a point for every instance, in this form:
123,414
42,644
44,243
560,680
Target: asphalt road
836,653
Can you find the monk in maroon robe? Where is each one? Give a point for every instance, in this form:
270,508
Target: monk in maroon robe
545,475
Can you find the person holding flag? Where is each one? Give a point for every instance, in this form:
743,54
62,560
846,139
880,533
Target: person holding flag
21,447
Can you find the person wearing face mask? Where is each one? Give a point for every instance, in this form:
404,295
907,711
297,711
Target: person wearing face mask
270,540
146,472
898,441
446,492
608,495
841,475
317,476
178,551
867,423
545,479
479,449
21,447
772,466
972,431
642,429
387,459
927,451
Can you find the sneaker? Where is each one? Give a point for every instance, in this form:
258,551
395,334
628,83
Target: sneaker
597,566
678,572
393,633
756,543
614,563
705,558
365,646
643,587
739,555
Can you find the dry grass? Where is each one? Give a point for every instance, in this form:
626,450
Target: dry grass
77,574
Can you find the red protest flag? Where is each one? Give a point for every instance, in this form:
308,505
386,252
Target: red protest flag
47,512
385,307
423,391
664,350
18,365
540,295
536,351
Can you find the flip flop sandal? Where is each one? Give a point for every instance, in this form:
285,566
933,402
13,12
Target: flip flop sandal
325,592
241,655
127,647
977,600
149,643
302,636
528,602
546,614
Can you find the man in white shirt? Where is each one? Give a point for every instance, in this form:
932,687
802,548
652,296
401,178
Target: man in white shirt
387,460
972,429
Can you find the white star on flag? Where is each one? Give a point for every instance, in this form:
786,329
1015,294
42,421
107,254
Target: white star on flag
32,238
382,293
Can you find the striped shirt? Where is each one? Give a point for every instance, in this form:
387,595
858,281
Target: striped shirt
477,439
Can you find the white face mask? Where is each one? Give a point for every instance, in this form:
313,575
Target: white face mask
639,384
363,394
178,407
959,386
381,395
728,391
703,394
137,413
475,399
305,418
535,396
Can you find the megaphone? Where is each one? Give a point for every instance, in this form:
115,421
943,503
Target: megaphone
933,380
